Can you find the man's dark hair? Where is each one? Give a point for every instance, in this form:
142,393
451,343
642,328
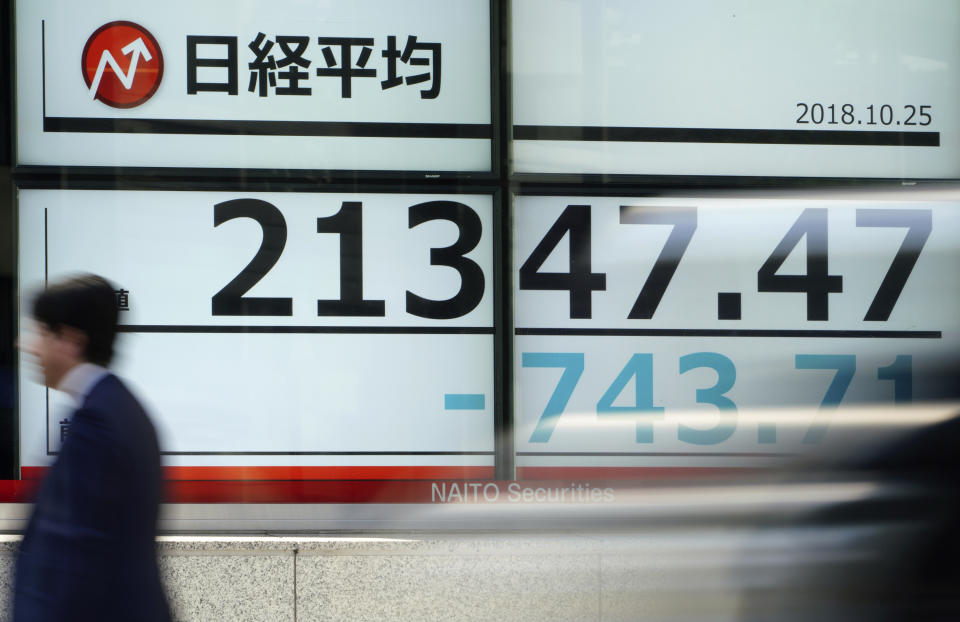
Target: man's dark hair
87,303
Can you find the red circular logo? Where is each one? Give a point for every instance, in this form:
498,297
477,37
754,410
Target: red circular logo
122,64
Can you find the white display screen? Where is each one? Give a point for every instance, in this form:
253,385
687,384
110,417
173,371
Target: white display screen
372,85
286,329
712,331
820,88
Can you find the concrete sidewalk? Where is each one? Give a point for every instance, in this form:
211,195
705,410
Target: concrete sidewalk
442,576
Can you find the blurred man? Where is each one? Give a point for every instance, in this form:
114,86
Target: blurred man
89,550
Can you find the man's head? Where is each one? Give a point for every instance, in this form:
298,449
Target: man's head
77,323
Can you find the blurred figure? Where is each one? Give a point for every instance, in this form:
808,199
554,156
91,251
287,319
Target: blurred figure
890,556
89,550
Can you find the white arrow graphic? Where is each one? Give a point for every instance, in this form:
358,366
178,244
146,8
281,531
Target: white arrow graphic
138,48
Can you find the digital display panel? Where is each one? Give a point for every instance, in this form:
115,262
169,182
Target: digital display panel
372,85
860,88
283,329
726,331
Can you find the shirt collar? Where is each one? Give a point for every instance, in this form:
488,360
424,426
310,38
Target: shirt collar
80,379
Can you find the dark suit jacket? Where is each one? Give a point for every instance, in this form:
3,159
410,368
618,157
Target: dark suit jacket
89,551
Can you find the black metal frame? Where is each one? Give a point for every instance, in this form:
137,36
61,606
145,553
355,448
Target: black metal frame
9,371
499,182
490,183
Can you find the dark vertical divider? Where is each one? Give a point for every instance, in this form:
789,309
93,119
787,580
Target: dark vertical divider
503,243
8,227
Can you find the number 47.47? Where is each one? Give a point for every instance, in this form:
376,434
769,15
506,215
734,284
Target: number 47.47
816,283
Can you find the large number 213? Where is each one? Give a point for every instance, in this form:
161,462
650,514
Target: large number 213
348,224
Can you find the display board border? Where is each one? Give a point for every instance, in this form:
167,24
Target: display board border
500,182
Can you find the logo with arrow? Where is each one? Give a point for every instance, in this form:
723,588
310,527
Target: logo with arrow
122,64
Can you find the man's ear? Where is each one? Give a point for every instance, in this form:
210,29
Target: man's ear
74,339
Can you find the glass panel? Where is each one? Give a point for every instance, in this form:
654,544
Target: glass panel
701,333
374,86
864,88
284,336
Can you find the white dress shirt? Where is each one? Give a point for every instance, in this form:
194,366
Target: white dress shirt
80,379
